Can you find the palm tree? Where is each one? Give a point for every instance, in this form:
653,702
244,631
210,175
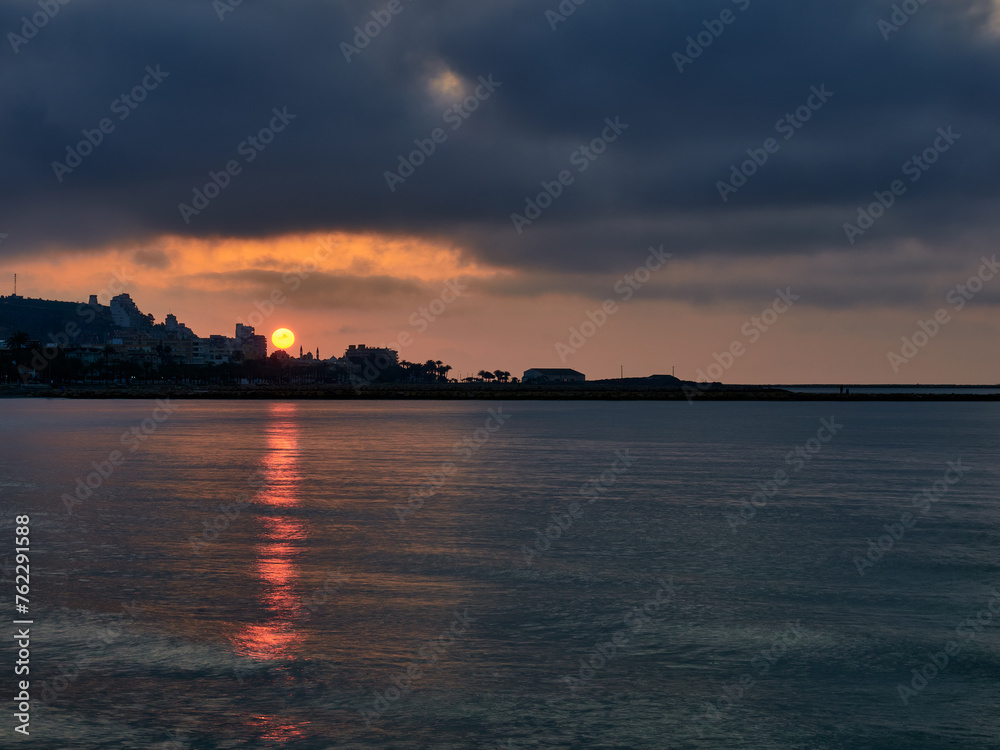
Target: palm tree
73,368
412,370
17,344
163,352
108,351
18,341
486,375
444,370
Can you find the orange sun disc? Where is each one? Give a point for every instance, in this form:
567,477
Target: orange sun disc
282,338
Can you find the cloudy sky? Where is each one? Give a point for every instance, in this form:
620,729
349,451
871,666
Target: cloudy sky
486,176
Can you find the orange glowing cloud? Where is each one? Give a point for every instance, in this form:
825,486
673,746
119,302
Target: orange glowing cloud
354,254
173,262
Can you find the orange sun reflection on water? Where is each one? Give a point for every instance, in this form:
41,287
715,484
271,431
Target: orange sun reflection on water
279,544
276,637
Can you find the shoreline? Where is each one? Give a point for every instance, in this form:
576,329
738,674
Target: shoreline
473,392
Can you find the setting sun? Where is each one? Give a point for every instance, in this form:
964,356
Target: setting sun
282,338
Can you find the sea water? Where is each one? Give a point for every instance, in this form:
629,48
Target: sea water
216,574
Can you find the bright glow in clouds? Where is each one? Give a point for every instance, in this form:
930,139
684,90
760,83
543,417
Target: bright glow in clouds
446,85
282,338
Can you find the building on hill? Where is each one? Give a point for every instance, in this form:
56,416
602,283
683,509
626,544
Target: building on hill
253,345
370,363
84,330
381,357
77,324
217,350
126,314
173,329
186,351
663,381
553,375
52,321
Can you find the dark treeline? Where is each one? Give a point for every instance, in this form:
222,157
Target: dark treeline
26,361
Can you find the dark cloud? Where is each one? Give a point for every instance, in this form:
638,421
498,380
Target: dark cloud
656,183
151,258
829,291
